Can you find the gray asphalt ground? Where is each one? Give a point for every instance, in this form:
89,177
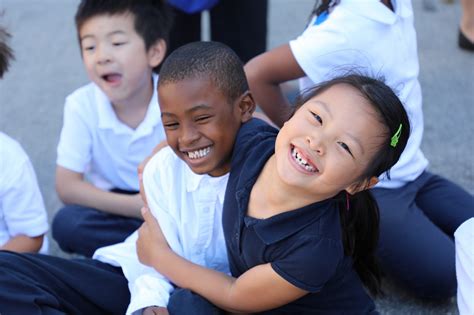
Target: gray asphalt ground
48,67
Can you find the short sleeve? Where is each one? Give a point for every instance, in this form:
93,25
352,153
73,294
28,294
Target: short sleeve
323,49
21,200
309,263
75,143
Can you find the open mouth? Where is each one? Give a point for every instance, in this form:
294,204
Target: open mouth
112,77
198,154
302,161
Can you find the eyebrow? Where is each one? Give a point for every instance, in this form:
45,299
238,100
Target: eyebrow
191,110
107,35
328,111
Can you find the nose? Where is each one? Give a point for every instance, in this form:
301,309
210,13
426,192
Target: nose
102,54
316,143
189,135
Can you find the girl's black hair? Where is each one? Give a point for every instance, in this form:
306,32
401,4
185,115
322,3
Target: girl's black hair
153,18
360,222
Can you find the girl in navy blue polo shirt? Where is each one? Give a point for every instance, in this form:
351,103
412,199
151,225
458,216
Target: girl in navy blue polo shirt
301,227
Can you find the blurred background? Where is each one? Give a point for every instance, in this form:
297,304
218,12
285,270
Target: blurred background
48,67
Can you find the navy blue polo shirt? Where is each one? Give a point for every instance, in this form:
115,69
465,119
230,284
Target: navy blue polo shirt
304,245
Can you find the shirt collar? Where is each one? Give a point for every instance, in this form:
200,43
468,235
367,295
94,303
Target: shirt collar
193,181
376,10
108,119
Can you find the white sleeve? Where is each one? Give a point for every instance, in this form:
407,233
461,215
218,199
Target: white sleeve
23,205
321,50
464,240
157,182
75,143
148,287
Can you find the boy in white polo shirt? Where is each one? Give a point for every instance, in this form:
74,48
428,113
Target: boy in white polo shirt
111,124
23,219
204,99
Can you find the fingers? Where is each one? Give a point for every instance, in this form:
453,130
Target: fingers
160,146
140,169
146,213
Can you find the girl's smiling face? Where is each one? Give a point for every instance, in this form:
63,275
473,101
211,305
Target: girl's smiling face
328,143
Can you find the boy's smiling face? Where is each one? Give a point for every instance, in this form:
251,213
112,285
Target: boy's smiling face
116,59
200,124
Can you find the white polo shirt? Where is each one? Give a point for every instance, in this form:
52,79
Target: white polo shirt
369,37
189,209
95,142
22,209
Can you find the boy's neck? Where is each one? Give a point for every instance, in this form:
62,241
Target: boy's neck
133,111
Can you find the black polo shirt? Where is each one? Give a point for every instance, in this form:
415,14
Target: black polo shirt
304,246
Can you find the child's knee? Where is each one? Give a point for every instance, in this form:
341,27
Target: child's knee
438,281
64,226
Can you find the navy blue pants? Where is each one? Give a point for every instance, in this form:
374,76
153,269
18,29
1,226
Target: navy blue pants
40,284
417,224
82,230
183,301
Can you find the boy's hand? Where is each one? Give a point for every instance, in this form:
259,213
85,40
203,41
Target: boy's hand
155,310
141,168
151,240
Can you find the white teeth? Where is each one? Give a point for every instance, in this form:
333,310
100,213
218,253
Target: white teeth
199,153
301,161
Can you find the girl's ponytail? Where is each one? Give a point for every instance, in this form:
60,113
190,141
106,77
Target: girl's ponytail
359,215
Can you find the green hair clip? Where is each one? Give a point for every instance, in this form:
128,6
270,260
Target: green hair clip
396,136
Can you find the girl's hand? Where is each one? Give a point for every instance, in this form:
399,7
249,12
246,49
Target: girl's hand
141,168
151,241
155,310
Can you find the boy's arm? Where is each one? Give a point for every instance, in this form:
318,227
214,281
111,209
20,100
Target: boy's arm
258,289
150,290
265,73
23,244
73,189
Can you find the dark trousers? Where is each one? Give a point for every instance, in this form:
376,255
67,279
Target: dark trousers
40,284
183,301
241,25
417,224
82,230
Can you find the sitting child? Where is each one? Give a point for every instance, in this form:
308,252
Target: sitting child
204,99
300,225
23,218
419,210
111,124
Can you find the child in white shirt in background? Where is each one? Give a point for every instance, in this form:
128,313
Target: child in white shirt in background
23,218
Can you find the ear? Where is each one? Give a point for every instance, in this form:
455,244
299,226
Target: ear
366,184
156,53
246,106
